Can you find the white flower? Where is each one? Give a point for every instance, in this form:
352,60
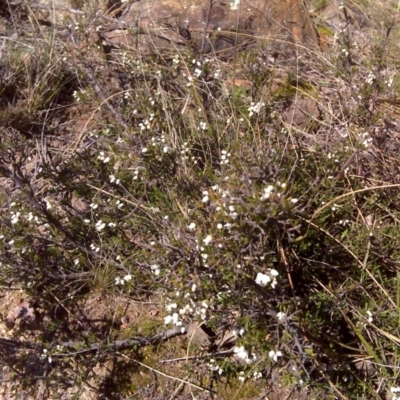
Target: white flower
395,391
255,108
273,355
114,179
262,279
242,353
205,197
225,157
239,332
281,316
234,4
128,278
119,281
370,78
267,193
257,375
15,218
155,269
93,247
370,319
171,306
100,225
192,226
175,318
207,240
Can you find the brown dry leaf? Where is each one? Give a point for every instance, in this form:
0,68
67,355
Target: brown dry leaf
242,83
369,221
154,312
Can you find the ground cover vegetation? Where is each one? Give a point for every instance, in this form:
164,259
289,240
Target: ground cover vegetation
182,225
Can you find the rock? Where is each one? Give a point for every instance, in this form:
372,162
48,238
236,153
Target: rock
218,27
22,316
301,112
198,336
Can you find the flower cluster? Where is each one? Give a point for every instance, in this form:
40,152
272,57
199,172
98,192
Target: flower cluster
155,269
274,355
46,355
215,367
79,95
103,157
146,123
206,241
371,78
185,150
243,354
192,309
136,172
114,180
268,278
17,215
255,108
270,189
176,59
395,392
121,281
225,157
366,139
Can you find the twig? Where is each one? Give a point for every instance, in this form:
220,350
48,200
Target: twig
118,344
115,345
214,355
58,8
105,100
203,39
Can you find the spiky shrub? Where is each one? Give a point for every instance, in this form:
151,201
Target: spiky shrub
211,197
